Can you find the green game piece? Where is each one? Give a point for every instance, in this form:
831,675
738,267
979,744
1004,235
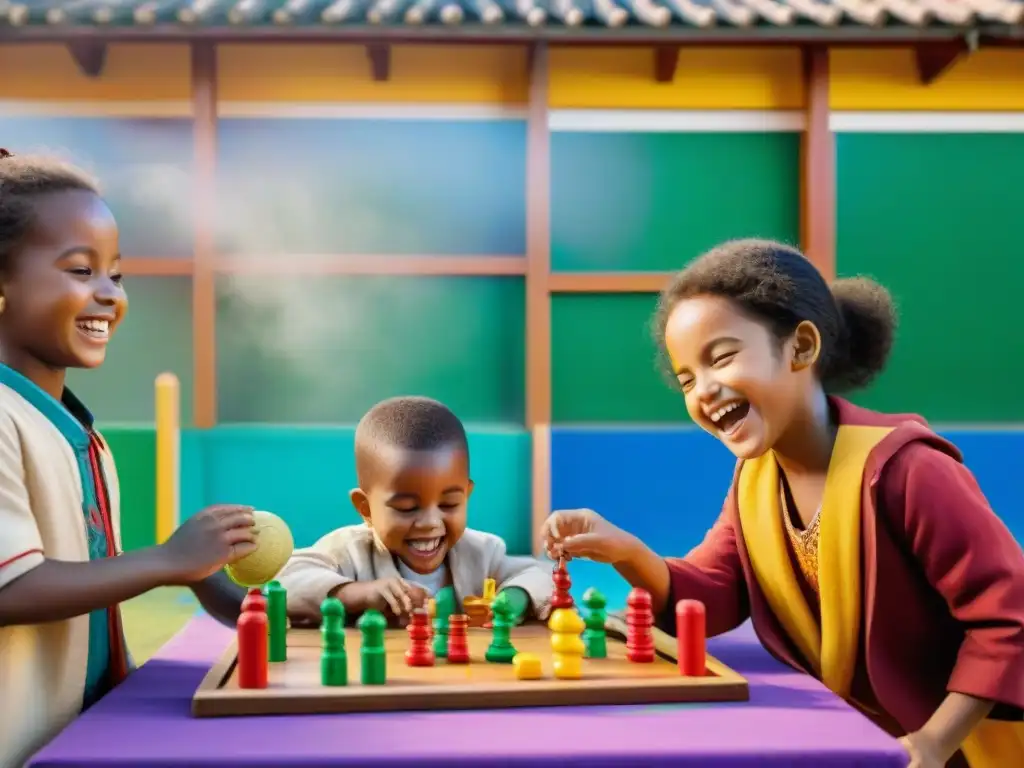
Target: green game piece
371,652
444,606
333,658
277,620
500,651
594,637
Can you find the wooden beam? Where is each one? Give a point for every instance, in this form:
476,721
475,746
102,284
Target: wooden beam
291,264
818,166
666,61
787,36
608,282
935,59
90,57
204,291
156,266
540,472
538,299
380,61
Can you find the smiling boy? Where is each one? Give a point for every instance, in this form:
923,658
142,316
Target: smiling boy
412,466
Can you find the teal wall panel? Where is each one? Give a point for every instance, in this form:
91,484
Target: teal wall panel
653,201
305,474
154,336
144,166
936,219
324,350
305,186
604,363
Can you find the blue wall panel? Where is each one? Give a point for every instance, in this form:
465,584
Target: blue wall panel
667,486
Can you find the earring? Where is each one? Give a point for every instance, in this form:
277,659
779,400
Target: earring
3,304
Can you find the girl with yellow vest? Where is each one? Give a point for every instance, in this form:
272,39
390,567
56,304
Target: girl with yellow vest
857,543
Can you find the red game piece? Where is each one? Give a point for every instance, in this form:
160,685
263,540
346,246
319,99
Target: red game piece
253,648
458,645
419,653
690,636
561,598
254,601
639,624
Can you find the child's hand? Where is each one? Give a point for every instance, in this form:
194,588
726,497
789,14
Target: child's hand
396,595
209,540
584,533
924,751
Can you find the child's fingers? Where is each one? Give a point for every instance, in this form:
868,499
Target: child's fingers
400,589
240,536
239,519
388,592
415,593
589,545
549,530
241,549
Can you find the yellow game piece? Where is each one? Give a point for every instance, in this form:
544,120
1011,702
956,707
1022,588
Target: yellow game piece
489,590
566,621
527,666
568,667
568,644
274,545
432,608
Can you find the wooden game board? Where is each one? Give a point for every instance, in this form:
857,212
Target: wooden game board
295,684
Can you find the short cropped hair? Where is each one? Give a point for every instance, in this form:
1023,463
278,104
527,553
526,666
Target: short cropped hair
409,423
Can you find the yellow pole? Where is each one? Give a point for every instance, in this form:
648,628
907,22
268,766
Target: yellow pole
168,446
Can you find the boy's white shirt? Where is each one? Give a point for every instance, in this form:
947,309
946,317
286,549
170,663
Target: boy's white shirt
355,553
42,666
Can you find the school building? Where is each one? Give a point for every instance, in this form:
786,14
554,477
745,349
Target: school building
324,204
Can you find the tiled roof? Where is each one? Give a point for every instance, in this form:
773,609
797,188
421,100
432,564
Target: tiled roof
528,16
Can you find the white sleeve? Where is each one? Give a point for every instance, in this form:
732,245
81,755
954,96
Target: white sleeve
21,547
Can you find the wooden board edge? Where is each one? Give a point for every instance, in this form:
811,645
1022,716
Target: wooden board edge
549,693
665,646
210,686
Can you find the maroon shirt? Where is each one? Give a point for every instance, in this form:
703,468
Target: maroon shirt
943,583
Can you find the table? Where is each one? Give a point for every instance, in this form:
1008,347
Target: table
790,720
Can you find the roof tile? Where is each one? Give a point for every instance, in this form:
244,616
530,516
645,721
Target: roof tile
611,14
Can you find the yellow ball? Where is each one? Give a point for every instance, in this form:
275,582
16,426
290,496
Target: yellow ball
274,545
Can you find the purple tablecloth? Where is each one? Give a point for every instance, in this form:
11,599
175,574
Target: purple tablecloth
790,721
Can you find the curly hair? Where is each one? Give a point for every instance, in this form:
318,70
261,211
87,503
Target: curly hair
777,285
23,179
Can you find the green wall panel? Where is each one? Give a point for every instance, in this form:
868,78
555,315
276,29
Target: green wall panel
604,365
134,450
936,218
653,201
155,336
325,349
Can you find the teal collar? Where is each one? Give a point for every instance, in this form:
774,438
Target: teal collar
68,415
